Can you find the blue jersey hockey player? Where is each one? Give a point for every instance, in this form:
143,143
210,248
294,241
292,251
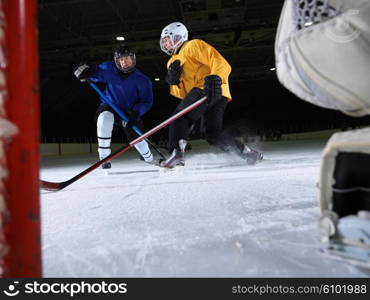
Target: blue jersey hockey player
129,90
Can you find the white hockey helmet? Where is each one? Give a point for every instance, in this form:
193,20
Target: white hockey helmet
172,37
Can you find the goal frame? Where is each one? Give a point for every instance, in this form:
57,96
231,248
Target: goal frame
21,215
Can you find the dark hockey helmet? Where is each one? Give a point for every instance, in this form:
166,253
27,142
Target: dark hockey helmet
124,51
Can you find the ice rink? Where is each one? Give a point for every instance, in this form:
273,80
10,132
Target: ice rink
215,217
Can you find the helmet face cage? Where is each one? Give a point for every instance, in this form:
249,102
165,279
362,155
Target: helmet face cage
175,32
124,52
176,42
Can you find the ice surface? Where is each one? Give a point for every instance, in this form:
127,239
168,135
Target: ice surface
216,217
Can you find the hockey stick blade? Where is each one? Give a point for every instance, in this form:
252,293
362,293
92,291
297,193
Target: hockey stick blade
57,186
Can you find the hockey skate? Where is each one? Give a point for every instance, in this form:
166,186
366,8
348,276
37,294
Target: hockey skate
348,237
177,157
251,156
155,162
106,165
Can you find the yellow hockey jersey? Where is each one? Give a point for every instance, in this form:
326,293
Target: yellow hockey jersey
199,59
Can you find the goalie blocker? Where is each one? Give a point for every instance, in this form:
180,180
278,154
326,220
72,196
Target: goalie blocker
322,53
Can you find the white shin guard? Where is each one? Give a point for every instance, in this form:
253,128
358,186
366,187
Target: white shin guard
104,132
143,149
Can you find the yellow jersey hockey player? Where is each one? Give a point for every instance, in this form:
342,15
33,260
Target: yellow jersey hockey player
195,70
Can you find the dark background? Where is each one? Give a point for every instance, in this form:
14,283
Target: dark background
74,31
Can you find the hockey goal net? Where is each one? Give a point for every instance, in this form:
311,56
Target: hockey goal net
19,140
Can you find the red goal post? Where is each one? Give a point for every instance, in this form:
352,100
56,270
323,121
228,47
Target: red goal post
20,254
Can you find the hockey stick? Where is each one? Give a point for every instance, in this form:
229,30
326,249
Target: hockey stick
57,186
115,108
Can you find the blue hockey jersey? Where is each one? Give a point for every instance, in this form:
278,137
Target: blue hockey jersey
133,93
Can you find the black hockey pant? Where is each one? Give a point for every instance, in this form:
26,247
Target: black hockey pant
213,115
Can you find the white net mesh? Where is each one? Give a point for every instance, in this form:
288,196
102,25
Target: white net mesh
310,12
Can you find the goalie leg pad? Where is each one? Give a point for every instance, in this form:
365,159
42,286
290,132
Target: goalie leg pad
345,195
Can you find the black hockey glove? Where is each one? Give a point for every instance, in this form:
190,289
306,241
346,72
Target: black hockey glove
174,73
212,87
133,118
83,72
